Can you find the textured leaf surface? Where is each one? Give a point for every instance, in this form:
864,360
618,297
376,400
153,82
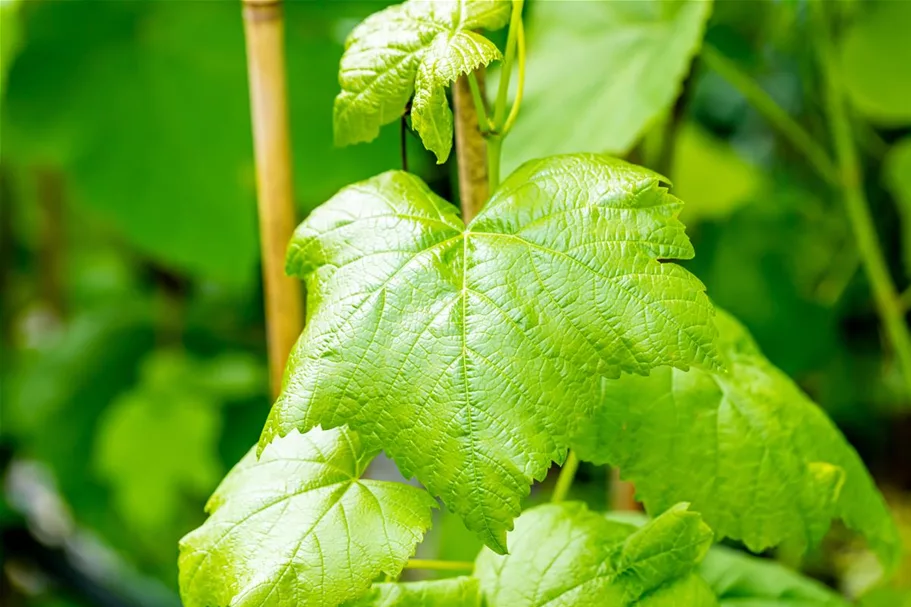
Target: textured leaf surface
875,56
600,72
299,527
757,458
470,354
563,555
740,580
418,48
453,592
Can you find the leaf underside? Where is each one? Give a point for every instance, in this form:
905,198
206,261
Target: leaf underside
299,527
564,555
416,48
759,460
471,354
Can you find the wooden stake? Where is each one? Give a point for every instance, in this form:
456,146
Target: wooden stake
622,494
264,29
471,149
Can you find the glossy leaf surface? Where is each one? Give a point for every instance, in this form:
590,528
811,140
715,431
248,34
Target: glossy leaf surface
300,527
471,354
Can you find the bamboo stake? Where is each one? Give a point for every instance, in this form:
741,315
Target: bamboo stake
471,149
622,494
264,29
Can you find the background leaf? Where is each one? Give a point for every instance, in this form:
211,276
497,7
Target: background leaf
599,73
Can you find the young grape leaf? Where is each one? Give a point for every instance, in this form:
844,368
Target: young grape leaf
471,353
417,47
877,39
599,73
740,580
300,527
564,555
452,592
758,459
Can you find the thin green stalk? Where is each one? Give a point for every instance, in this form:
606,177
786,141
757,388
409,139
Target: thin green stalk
483,120
495,143
884,292
499,112
565,480
439,565
520,85
802,141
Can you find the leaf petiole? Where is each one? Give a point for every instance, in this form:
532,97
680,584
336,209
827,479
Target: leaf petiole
565,480
439,565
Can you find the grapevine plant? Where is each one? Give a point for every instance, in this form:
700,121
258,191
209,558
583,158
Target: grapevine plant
553,326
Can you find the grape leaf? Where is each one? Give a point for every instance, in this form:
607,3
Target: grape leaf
470,354
897,177
740,580
564,555
418,48
452,592
299,527
599,73
758,459
875,58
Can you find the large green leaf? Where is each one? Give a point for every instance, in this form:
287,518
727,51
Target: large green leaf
470,354
299,527
453,592
897,176
740,580
875,56
599,73
418,48
757,458
564,555
154,137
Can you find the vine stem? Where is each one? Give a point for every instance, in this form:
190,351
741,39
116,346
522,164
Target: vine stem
565,480
471,150
264,32
802,141
884,292
439,565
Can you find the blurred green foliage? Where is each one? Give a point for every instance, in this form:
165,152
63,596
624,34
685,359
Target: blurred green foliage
132,333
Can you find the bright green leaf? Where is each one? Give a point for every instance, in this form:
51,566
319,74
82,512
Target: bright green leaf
599,73
446,59
300,527
875,56
740,580
758,459
453,592
897,175
417,47
471,354
564,555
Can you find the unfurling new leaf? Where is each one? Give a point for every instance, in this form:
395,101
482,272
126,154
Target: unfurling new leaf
415,48
759,460
471,354
563,555
300,527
